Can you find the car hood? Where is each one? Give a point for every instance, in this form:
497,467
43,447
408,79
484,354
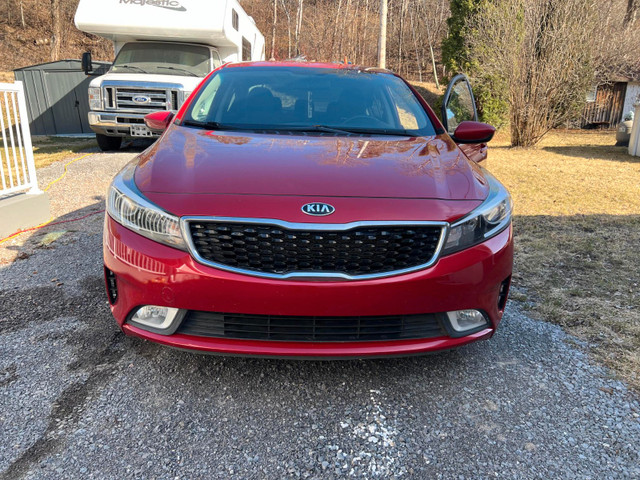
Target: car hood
195,161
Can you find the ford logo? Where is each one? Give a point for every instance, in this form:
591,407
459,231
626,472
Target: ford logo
318,209
141,99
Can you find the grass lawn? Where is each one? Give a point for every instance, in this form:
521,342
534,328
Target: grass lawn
47,150
577,234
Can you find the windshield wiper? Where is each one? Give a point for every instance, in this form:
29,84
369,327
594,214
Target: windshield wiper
326,128
206,125
351,130
290,128
132,67
191,74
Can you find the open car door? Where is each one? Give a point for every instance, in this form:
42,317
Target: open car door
460,119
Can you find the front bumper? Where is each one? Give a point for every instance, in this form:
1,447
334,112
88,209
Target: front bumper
149,273
115,124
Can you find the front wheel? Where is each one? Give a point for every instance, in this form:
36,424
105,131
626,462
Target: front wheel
108,144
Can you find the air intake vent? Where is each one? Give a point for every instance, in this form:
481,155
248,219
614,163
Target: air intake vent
311,329
504,293
112,285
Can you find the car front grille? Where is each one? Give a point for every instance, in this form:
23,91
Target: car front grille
276,250
160,99
310,329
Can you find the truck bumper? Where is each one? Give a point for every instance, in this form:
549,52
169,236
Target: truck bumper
115,124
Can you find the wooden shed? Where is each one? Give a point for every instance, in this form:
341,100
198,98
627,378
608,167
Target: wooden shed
605,105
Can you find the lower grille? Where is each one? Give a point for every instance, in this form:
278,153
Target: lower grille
129,120
310,329
278,250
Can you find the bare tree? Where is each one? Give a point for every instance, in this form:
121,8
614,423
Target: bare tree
273,32
288,14
630,14
543,56
56,37
299,25
382,41
330,30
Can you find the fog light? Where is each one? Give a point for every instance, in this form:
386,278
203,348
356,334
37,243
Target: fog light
465,320
157,318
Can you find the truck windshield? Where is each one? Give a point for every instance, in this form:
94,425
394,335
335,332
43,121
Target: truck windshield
163,58
308,99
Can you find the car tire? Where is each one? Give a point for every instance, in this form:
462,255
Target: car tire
108,144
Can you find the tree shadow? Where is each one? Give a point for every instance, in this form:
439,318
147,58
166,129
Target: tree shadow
601,152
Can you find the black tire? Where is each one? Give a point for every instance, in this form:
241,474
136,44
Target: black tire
108,144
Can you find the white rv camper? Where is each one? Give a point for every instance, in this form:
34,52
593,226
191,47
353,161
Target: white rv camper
163,48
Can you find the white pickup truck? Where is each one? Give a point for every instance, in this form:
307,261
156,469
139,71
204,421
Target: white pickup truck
163,49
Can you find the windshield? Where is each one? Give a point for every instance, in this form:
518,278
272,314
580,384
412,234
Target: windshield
163,58
308,99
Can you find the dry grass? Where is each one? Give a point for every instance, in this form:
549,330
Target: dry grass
47,150
577,224
6,77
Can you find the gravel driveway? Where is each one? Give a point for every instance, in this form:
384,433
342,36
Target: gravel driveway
78,399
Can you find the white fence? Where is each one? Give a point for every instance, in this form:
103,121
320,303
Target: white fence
17,168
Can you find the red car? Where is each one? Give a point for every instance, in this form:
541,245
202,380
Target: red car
310,210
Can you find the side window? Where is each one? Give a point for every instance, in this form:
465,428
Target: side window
246,50
409,112
235,20
203,104
458,105
215,58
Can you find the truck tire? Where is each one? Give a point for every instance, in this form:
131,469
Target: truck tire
108,144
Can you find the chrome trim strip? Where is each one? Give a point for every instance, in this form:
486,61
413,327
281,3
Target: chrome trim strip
142,85
186,234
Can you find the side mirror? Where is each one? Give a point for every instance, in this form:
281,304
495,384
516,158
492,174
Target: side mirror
473,132
158,121
87,65
458,104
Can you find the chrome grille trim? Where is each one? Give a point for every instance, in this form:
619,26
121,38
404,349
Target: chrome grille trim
186,233
162,96
159,99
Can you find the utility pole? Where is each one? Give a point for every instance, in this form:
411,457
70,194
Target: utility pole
382,41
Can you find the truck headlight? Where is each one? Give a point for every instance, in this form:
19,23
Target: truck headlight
127,206
486,221
95,98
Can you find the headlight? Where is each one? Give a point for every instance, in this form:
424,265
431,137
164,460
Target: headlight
95,98
127,206
484,222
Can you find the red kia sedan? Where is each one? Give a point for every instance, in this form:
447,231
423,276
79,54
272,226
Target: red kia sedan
310,210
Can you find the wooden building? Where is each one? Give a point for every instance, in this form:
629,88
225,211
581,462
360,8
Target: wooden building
607,104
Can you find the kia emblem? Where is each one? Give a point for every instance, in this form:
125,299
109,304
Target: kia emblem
318,209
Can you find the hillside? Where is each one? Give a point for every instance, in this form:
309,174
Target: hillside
323,30
30,43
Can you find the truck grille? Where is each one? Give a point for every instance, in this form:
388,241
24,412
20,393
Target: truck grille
310,329
160,99
275,250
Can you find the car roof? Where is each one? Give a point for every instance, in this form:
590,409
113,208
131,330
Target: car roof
294,63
